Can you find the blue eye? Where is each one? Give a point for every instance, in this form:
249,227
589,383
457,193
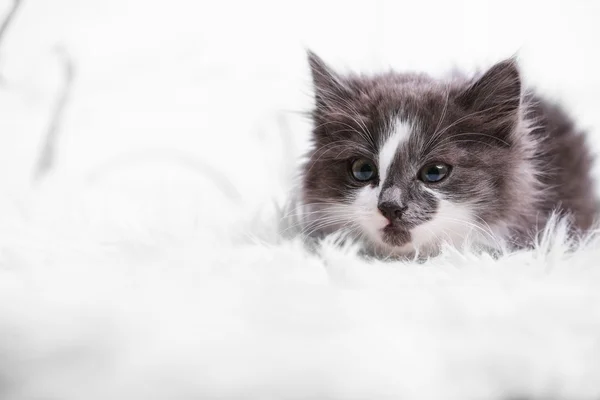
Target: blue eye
434,172
363,170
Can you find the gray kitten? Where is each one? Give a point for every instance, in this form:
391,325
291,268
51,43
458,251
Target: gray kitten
405,161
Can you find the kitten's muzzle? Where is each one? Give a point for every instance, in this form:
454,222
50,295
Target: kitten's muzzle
392,210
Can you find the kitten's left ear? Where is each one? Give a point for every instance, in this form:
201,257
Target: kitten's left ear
496,96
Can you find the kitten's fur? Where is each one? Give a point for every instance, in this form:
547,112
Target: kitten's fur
515,159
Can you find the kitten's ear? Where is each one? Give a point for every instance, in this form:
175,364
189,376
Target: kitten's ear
328,85
496,95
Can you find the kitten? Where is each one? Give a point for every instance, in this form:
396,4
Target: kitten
405,162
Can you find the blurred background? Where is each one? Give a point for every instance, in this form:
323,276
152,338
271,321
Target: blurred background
210,94
163,126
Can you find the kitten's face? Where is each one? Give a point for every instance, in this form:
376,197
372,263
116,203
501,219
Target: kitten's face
406,161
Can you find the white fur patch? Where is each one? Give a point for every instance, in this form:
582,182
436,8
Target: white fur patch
452,223
400,133
368,216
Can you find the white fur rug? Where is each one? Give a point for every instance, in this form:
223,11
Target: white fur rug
153,262
185,305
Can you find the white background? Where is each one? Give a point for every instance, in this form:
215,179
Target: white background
164,88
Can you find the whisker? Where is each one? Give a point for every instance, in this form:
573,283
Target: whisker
469,224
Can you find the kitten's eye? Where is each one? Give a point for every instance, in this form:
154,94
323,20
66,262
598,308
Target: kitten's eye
363,170
434,172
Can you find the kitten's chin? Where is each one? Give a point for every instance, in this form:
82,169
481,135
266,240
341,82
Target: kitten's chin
392,241
395,236
385,239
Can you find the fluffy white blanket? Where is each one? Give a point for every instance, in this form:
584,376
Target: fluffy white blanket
187,305
135,273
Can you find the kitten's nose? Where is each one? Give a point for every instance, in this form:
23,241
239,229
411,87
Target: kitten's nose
391,210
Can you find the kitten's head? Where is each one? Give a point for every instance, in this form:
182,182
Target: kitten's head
407,161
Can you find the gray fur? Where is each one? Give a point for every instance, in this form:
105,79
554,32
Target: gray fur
515,157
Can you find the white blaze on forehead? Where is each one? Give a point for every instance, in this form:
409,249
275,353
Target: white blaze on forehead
399,134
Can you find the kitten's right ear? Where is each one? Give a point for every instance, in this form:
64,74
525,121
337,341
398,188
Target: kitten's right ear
496,96
328,85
